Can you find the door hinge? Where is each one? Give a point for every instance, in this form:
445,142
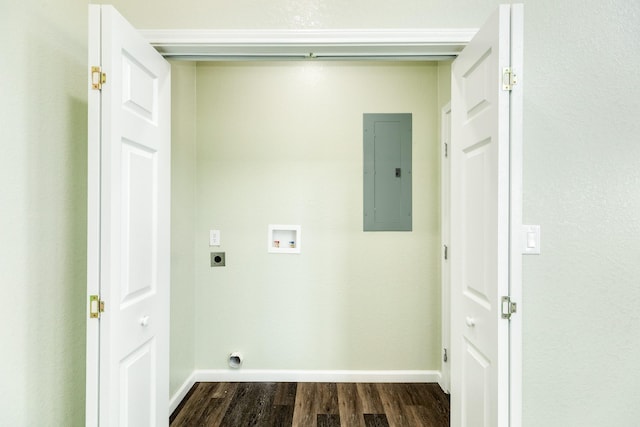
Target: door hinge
96,306
98,78
509,78
508,307
446,252
446,149
445,356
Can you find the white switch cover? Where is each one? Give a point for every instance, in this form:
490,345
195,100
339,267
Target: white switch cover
214,237
531,239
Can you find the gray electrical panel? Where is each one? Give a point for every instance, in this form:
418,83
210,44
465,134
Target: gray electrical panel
387,172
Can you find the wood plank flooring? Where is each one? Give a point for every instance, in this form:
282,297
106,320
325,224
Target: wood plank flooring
313,405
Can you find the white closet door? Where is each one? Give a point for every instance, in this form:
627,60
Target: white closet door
129,229
480,207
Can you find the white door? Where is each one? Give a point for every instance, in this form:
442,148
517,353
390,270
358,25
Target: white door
480,225
128,241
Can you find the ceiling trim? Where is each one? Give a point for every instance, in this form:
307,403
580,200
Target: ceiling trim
393,44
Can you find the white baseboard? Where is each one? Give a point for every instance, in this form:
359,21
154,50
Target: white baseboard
277,375
444,386
182,392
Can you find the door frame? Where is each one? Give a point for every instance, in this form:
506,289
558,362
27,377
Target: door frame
92,384
445,244
424,45
516,139
225,45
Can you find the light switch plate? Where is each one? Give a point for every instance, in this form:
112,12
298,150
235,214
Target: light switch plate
214,237
531,239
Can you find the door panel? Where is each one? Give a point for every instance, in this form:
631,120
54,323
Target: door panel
480,228
137,398
139,88
139,223
475,386
133,171
477,160
476,83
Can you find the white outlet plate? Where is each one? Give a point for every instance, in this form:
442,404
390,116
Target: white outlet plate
214,237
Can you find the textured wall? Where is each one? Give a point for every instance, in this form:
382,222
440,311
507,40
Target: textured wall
279,14
282,143
183,213
43,116
582,184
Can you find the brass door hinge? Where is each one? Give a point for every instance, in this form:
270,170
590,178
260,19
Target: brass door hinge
96,306
509,78
508,307
98,78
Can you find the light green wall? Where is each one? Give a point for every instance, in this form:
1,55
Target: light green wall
43,174
281,143
444,83
183,212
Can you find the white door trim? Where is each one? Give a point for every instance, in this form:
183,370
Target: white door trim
93,227
300,44
445,237
515,227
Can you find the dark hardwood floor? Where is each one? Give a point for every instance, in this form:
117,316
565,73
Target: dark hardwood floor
313,404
